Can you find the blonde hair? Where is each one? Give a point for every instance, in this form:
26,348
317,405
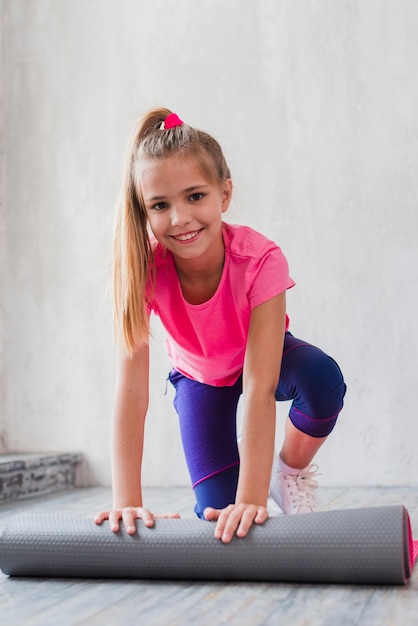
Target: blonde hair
133,255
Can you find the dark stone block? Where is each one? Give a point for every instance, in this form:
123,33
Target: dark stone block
27,475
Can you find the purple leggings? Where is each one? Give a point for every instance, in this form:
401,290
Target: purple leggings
207,417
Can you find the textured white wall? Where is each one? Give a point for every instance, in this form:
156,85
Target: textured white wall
316,106
2,254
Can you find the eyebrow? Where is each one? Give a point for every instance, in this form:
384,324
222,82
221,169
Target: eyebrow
187,190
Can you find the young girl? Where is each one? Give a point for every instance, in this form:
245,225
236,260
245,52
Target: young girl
219,291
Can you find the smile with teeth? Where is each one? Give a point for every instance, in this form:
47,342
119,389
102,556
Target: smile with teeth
186,236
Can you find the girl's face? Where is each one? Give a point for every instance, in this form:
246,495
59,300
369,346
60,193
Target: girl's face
184,208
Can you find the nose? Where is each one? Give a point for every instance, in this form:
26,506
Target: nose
180,215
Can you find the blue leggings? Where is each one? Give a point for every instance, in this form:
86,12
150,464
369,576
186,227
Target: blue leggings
207,417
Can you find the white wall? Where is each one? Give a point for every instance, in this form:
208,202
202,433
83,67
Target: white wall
2,254
315,104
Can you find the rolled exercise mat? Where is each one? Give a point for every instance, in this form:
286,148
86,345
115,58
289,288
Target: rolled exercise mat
369,545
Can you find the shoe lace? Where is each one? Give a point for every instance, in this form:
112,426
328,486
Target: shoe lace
306,485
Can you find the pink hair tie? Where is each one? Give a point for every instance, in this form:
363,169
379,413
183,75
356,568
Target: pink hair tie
171,121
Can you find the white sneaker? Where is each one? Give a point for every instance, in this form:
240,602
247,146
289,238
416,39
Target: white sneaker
295,493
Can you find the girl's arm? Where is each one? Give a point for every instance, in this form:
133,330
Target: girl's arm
260,378
128,422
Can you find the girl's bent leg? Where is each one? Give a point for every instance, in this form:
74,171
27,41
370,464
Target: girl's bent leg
314,382
207,417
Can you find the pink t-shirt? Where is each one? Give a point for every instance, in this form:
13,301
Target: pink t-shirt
206,342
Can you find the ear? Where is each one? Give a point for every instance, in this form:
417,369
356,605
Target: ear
226,194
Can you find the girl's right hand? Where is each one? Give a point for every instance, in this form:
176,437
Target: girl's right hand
128,515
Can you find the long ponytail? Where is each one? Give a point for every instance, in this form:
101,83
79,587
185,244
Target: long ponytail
132,249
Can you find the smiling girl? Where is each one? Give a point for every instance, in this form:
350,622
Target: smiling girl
219,290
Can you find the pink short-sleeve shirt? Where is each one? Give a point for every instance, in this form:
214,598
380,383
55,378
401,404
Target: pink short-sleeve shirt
206,342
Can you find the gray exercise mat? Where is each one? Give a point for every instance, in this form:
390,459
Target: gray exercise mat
369,545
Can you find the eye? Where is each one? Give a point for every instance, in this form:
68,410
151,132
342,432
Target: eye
195,197
160,206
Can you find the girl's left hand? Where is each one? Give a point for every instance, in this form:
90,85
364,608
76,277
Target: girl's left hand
235,518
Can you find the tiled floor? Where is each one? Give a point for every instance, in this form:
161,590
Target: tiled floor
61,602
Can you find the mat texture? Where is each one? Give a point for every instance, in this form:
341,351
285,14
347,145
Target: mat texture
365,546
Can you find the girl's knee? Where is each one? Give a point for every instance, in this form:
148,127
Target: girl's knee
320,379
320,398
216,491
